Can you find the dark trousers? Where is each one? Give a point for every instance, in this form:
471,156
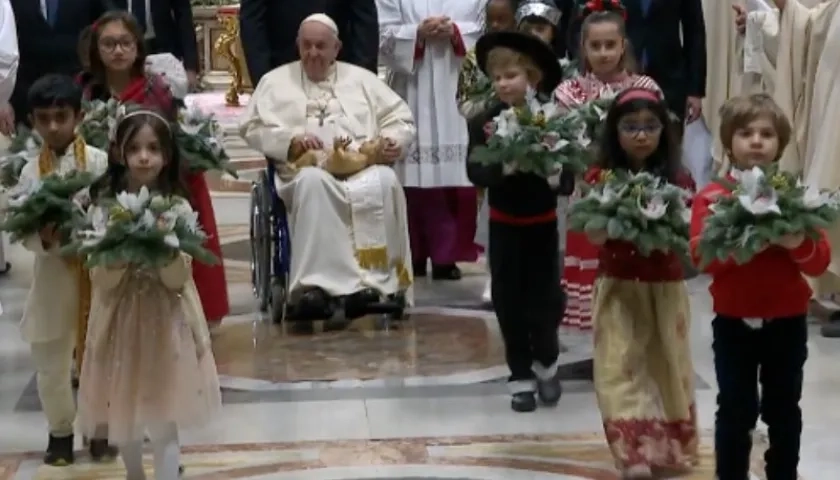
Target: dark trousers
772,356
527,297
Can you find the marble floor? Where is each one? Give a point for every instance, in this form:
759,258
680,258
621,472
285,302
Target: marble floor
421,399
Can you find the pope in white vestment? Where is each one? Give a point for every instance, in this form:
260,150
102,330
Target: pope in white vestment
347,235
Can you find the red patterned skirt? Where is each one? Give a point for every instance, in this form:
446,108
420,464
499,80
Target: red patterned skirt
580,268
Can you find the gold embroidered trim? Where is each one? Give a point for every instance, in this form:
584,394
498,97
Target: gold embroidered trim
376,258
46,165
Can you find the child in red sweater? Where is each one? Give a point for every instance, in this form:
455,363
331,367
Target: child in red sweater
760,331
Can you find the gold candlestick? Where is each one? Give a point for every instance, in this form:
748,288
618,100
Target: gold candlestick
225,47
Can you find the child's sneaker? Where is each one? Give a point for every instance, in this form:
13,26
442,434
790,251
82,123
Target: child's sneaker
59,451
101,451
523,402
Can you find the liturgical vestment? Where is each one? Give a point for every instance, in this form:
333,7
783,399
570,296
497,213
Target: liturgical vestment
346,234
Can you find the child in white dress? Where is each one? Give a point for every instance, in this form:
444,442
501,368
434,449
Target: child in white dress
148,366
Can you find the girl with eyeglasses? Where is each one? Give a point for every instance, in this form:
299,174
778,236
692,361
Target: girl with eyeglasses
607,67
643,374
118,70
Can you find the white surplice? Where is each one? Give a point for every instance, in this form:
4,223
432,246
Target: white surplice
53,298
346,234
9,54
430,85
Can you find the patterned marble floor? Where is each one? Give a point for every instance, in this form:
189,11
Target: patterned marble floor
424,399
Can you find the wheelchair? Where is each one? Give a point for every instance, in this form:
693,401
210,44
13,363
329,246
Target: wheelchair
271,250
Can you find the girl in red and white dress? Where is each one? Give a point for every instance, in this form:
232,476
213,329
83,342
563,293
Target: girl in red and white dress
607,69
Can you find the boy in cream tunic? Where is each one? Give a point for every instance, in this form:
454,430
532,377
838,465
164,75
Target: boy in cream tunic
51,315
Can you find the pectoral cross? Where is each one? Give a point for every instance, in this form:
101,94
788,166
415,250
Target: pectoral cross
322,115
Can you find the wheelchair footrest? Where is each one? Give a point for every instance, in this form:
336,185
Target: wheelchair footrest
384,307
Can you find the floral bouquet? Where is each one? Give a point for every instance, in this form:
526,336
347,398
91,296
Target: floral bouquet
534,138
99,122
200,137
765,205
34,204
593,113
10,168
480,90
640,208
140,229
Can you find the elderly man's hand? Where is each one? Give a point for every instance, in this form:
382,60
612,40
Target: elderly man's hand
307,142
430,27
391,150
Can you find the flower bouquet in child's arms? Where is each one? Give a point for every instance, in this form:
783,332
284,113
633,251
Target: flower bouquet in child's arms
640,208
593,113
200,137
140,229
765,205
98,123
535,138
35,204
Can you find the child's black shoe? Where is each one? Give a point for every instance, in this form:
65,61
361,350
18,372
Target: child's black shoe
523,402
59,451
101,451
550,390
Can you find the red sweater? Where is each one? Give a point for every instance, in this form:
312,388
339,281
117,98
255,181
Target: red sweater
770,285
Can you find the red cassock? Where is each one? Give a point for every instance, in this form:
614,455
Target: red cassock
209,279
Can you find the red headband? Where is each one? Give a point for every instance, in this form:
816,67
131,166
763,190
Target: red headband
638,94
604,6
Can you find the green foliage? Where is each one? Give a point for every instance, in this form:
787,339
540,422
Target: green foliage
593,114
638,208
35,204
534,138
142,230
480,90
10,168
758,209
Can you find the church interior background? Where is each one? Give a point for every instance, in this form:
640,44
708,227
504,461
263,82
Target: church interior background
420,399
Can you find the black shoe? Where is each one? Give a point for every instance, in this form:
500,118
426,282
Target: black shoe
313,304
549,391
419,269
446,272
59,451
831,329
101,451
355,305
523,402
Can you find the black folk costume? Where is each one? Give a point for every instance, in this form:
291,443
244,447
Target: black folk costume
524,254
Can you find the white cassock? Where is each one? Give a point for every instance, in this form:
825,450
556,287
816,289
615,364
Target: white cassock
430,85
9,55
350,234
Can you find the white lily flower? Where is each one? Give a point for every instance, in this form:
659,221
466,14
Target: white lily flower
506,124
134,203
98,219
607,194
148,220
190,128
813,198
167,221
172,240
553,142
655,208
757,196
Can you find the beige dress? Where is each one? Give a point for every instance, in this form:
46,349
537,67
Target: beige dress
148,359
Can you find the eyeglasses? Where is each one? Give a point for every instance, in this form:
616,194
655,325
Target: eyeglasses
111,44
636,129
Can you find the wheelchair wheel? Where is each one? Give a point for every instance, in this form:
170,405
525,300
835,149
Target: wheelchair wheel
260,226
279,287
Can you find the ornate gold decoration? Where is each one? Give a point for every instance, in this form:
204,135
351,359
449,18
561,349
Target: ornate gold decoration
225,47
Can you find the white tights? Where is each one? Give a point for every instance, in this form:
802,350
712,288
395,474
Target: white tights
167,454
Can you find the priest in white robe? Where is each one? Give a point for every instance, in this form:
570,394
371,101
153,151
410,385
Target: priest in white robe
348,237
423,43
807,73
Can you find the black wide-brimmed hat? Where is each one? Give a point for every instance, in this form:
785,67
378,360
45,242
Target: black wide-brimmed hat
529,45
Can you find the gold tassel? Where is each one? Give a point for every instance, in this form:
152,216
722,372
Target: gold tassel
46,165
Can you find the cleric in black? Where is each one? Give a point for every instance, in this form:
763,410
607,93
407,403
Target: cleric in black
268,29
524,250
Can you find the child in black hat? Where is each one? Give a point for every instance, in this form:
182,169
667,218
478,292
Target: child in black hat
524,252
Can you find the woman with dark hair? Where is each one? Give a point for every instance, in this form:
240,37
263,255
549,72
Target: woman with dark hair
607,67
118,70
642,360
